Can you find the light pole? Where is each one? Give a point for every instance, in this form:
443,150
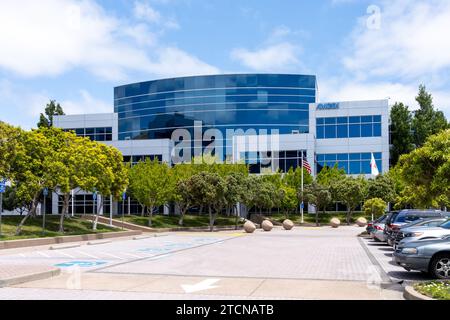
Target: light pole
45,193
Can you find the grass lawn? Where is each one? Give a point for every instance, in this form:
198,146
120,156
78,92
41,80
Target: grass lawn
434,289
323,219
33,227
161,221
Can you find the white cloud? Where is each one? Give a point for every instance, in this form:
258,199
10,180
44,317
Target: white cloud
276,57
86,104
142,10
50,37
412,41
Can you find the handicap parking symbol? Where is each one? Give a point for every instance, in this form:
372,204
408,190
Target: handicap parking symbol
82,264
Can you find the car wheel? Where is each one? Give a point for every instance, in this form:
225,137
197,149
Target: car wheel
440,266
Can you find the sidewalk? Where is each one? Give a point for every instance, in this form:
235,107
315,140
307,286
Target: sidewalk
12,274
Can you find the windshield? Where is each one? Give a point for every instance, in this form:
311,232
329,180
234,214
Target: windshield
445,225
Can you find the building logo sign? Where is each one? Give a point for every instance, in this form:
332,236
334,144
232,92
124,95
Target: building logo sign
327,106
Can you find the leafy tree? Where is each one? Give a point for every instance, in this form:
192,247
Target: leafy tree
235,191
11,149
251,185
149,184
37,168
425,173
329,176
208,190
374,207
317,195
351,191
12,202
401,131
52,109
381,187
264,195
427,121
182,196
289,202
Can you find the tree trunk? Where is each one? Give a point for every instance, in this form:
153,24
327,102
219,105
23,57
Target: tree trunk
143,210
150,216
348,216
96,213
65,210
237,217
180,221
30,213
211,219
201,210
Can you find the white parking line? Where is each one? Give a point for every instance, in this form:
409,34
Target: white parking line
114,256
87,254
42,254
160,257
66,254
132,255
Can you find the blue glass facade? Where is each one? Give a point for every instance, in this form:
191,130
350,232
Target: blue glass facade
348,127
352,163
153,109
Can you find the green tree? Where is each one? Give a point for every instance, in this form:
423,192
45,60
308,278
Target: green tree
235,191
37,168
52,109
401,131
381,187
351,191
289,202
374,207
329,176
427,121
209,190
251,185
264,195
317,195
11,149
149,181
425,173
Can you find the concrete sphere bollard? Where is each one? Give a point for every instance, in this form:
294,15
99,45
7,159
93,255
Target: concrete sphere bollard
335,222
266,225
249,227
288,224
361,222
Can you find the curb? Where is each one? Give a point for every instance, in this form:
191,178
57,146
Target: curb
29,277
411,294
21,243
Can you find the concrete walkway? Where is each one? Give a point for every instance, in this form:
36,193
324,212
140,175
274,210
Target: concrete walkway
12,274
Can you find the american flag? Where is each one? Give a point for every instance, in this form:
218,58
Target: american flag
306,166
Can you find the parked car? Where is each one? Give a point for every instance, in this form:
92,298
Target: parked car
407,216
400,233
430,256
377,233
425,233
370,226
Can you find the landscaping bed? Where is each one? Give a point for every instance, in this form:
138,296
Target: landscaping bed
434,289
33,227
161,221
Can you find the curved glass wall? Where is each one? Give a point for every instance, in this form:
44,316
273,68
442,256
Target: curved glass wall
154,109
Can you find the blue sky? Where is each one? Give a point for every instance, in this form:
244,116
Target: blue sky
77,51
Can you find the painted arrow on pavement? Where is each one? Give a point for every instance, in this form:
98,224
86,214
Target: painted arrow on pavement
203,285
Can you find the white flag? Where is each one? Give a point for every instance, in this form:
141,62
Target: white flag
373,167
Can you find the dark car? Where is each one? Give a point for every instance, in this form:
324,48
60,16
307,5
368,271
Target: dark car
430,256
403,217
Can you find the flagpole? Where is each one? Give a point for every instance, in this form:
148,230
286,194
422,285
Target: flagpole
301,205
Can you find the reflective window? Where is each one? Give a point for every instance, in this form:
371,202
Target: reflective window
348,127
154,109
95,134
352,163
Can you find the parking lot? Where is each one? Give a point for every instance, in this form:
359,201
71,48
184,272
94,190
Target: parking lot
304,263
